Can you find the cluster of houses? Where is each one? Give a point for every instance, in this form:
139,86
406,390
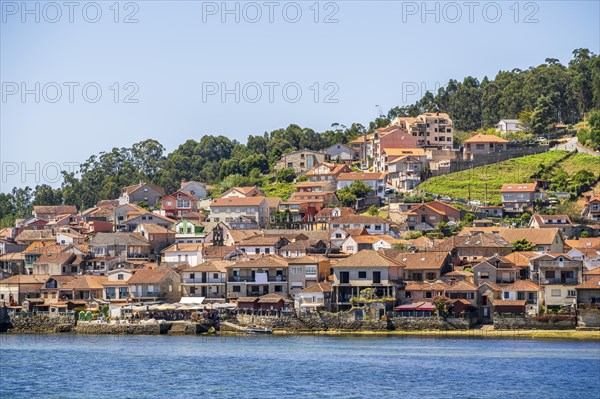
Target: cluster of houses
309,252
120,253
400,156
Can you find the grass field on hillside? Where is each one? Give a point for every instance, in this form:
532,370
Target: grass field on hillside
518,170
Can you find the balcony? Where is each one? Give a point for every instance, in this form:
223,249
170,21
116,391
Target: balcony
147,294
203,281
237,279
572,264
565,281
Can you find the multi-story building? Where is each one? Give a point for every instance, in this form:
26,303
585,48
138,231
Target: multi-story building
179,204
375,180
405,173
155,284
301,161
563,222
558,275
149,193
591,211
256,277
366,269
483,144
327,171
206,280
243,213
341,153
432,129
372,224
189,232
305,271
520,196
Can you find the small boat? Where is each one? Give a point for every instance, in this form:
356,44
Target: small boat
259,331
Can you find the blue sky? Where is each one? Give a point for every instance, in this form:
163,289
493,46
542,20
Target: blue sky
175,58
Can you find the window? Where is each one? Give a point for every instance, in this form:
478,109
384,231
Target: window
236,288
550,274
120,276
430,276
344,277
192,276
555,292
506,295
215,276
362,274
267,251
256,250
531,296
521,296
408,294
192,290
376,277
484,275
428,295
571,293
278,288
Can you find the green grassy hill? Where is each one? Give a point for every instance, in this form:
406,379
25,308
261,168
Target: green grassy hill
519,170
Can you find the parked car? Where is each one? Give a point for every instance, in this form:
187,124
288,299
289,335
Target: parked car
446,199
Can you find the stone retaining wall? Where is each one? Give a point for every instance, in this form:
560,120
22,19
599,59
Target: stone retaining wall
588,318
86,327
528,323
346,322
41,324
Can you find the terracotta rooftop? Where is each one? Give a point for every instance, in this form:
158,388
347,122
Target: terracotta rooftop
235,201
268,261
593,284
519,187
425,286
317,288
25,279
422,260
149,276
485,138
85,283
462,286
369,258
359,219
535,236
352,176
522,285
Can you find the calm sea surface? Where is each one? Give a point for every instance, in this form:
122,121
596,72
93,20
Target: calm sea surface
75,366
